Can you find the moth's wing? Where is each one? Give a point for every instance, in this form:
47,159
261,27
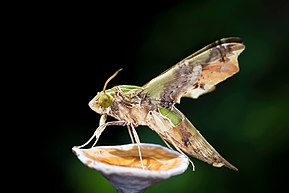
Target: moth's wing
181,132
216,72
198,73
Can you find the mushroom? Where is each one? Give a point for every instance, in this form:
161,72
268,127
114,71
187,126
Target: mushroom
122,167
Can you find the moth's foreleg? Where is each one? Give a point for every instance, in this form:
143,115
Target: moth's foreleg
100,129
102,119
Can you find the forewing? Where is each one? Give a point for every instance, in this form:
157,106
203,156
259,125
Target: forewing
198,73
176,129
194,144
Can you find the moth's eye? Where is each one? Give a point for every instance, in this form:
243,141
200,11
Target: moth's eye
105,100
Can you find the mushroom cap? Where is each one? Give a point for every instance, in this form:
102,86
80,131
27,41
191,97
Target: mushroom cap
121,164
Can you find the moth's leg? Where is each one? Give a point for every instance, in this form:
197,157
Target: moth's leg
172,142
99,130
138,144
101,122
130,135
167,144
102,119
97,134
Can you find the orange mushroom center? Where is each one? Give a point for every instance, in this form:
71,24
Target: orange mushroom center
154,158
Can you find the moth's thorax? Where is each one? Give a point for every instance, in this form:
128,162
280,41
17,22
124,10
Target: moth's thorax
126,106
129,108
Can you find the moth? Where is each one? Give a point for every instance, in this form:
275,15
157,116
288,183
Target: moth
153,104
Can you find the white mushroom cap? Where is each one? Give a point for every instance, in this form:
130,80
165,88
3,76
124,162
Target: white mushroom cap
122,167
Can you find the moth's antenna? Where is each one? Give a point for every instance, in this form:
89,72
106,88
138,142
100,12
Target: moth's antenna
109,79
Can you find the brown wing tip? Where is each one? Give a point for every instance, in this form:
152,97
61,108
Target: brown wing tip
230,166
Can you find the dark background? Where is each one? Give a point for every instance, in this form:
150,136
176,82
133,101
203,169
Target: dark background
68,50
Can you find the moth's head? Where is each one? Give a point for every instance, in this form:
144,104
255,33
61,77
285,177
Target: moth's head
102,101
